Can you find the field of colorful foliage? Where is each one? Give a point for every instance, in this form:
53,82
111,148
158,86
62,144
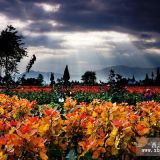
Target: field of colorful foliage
98,130
26,89
81,88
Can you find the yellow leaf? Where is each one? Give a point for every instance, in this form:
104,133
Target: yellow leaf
43,156
1,111
114,132
89,128
94,114
11,130
14,115
110,141
43,128
104,115
3,156
89,131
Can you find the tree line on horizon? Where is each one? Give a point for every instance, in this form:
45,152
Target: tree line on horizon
12,50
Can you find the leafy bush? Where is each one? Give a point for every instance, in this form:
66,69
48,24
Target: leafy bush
98,130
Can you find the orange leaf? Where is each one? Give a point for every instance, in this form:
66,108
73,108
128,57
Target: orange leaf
33,119
3,141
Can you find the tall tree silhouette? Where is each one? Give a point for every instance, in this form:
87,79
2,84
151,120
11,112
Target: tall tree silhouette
133,78
66,75
52,79
152,75
158,72
11,52
112,78
147,77
147,80
31,62
158,77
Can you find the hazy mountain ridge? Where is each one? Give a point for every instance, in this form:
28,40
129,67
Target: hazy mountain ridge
126,71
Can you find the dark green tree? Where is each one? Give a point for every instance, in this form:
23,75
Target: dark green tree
157,80
52,79
11,52
152,75
116,83
112,78
147,80
40,79
147,77
66,75
133,79
153,81
158,72
89,77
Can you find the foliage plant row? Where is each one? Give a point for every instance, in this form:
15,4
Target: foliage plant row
43,97
98,130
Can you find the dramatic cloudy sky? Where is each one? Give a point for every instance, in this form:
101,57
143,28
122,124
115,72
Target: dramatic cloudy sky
86,34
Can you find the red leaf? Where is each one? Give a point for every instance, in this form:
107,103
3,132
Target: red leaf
25,129
13,123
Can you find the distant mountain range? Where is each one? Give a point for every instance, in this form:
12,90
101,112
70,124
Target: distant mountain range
126,71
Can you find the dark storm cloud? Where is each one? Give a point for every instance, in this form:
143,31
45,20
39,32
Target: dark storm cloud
146,45
145,36
147,40
40,27
138,15
131,16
